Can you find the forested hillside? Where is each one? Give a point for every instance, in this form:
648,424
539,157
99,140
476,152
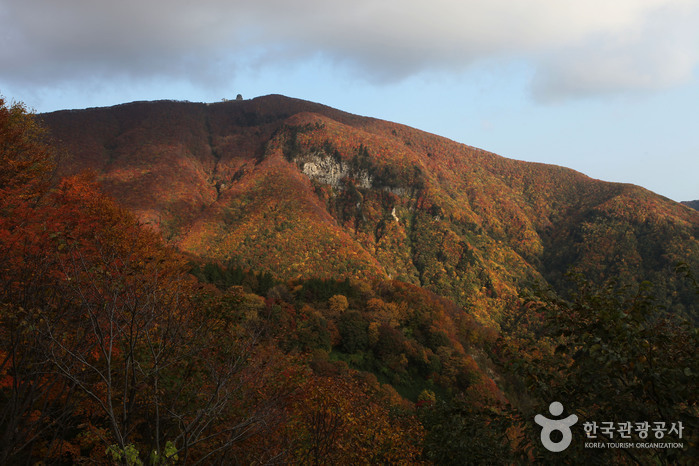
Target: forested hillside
275,281
299,189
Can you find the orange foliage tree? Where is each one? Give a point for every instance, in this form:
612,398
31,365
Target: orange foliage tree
339,420
33,406
105,339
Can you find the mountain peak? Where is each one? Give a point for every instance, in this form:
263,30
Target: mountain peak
297,188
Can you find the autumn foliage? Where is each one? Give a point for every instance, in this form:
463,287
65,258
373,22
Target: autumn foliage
226,304
110,350
300,190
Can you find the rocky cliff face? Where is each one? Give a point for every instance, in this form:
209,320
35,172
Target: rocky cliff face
330,171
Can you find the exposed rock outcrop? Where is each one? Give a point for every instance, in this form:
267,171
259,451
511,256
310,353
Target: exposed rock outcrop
328,170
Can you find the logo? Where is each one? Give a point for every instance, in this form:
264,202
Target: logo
561,425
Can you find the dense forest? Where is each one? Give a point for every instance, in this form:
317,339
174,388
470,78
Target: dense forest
312,287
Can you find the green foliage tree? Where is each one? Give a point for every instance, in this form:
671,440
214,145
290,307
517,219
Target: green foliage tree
354,331
460,433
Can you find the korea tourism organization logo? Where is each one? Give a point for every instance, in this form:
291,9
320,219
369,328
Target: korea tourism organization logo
548,426
607,434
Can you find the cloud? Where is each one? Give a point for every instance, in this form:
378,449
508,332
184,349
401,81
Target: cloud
657,52
577,48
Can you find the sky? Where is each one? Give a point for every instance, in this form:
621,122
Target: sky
609,88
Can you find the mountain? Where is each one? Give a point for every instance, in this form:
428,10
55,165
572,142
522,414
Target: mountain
324,303
299,189
693,204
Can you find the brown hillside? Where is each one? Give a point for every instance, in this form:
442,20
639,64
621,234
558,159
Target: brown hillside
301,189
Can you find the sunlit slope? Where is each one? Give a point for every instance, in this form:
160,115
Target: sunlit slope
300,189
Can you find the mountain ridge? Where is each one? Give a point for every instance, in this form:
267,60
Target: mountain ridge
352,291
691,204
298,188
